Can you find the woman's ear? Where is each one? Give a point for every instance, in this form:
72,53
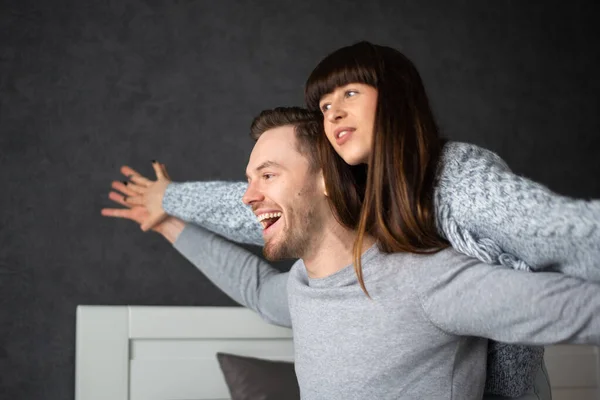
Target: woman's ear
322,183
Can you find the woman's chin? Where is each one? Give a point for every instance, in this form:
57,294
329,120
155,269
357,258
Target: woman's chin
355,159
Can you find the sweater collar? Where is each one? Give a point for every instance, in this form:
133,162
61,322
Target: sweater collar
346,276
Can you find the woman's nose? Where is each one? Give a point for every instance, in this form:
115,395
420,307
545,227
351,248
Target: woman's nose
336,113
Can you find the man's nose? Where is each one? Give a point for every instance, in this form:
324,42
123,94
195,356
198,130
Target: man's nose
252,195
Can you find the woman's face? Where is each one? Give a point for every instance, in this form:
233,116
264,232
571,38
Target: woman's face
349,121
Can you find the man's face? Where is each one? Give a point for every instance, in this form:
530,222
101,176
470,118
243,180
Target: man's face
285,195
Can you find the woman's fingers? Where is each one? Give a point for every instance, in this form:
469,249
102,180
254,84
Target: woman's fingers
136,214
140,180
135,176
119,198
134,201
126,188
116,212
157,170
164,171
132,194
128,171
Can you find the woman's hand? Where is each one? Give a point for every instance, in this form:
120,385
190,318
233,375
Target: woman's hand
141,191
169,227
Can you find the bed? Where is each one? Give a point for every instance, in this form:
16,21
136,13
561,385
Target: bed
146,353
169,353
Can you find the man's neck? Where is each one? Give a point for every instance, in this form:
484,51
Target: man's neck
333,250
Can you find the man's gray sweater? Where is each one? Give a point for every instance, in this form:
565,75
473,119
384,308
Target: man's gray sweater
422,333
482,209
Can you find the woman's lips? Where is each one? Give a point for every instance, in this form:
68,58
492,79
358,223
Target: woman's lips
343,135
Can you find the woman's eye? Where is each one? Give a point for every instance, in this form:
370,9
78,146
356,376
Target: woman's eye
351,93
325,107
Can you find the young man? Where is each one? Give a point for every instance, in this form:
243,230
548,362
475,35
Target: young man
420,335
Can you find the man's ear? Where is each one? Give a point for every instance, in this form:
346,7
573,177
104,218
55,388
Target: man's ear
323,187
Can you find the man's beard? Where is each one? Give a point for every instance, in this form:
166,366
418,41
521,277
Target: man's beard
296,238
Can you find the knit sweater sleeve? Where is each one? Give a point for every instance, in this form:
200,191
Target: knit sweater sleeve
216,206
488,212
245,277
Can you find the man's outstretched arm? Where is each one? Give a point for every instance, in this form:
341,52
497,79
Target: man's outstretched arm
463,296
243,276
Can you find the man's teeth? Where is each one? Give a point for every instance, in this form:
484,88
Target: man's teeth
262,217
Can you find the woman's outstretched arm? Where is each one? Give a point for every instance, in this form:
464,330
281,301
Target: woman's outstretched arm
488,212
216,206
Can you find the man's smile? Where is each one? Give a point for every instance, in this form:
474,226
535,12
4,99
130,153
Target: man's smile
268,219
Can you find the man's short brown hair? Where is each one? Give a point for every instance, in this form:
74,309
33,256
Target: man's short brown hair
305,123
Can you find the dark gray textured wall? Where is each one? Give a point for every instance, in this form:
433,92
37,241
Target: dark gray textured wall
87,85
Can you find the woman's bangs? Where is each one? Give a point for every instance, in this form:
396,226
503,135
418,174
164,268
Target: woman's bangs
318,85
353,64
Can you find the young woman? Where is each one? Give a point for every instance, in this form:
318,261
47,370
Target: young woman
376,113
376,116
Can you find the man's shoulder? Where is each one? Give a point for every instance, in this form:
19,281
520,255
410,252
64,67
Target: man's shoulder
430,256
431,265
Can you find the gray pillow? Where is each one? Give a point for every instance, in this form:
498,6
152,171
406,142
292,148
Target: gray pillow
251,378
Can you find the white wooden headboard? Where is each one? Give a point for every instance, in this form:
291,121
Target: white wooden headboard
169,353
147,353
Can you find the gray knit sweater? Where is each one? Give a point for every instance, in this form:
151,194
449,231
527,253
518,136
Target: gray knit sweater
482,209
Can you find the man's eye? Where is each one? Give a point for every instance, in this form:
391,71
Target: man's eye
267,177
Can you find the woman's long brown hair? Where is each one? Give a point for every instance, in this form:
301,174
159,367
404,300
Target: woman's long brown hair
392,198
